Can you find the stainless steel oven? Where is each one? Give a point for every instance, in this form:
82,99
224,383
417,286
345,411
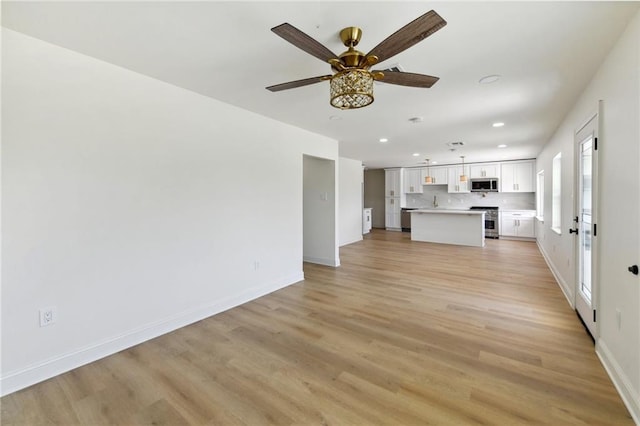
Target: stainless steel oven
491,221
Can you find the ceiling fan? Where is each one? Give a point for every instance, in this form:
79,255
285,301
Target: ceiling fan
351,85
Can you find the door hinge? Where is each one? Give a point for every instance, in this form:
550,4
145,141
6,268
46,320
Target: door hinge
594,315
595,144
595,230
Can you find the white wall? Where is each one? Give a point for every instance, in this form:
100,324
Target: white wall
617,84
319,207
134,207
350,176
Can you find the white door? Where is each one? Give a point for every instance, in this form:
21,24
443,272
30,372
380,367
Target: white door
585,209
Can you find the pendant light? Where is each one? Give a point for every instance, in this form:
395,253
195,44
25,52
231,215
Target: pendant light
463,177
428,178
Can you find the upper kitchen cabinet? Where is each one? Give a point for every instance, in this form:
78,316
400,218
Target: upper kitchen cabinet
392,182
454,184
517,176
488,170
438,175
413,181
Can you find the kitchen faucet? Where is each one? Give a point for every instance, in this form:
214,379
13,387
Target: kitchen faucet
435,201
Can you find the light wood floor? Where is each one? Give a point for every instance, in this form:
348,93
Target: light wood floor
403,333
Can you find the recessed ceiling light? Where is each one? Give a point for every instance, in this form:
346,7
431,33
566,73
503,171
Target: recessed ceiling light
384,140
489,79
416,154
434,162
498,124
502,146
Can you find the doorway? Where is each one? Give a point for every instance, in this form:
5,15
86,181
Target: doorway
585,220
319,234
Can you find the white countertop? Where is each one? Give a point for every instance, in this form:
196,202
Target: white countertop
447,211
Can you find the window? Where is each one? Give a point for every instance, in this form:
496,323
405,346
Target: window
556,199
540,196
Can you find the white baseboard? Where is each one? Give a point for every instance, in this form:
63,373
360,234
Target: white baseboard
630,396
355,240
566,289
322,261
510,237
16,380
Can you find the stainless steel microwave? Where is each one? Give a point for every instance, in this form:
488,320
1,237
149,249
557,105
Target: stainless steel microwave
484,185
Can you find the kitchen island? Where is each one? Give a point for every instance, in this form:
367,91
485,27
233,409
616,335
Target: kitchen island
460,227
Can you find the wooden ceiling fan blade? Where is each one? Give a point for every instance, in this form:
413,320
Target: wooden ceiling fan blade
412,33
407,79
298,83
304,42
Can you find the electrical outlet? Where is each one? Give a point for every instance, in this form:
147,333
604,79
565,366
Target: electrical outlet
48,316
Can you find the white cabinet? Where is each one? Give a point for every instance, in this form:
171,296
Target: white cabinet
488,170
438,175
392,213
366,220
413,181
455,186
517,177
393,198
517,223
392,182
526,227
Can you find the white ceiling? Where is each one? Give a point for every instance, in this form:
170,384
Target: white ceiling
546,52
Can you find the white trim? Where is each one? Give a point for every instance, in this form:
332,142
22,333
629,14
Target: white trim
20,379
322,261
561,282
355,240
629,396
584,124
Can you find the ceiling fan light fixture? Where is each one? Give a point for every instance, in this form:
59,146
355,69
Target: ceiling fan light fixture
351,88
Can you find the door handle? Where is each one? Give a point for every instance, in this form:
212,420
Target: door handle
573,231
633,269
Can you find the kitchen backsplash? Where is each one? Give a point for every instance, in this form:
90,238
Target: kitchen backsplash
504,200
